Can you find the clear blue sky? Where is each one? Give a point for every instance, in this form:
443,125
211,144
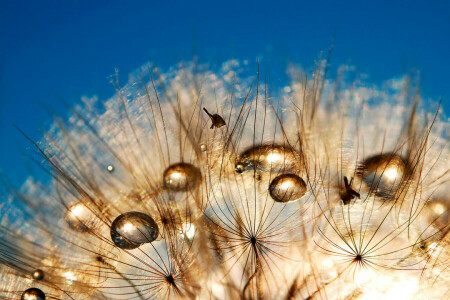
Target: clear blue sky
66,49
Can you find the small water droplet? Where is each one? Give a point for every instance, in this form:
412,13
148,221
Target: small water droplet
132,229
110,168
203,147
287,187
38,274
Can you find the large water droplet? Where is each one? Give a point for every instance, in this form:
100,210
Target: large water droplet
384,173
33,294
268,158
181,177
132,229
287,187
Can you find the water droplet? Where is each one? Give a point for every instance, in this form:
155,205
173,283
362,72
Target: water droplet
80,218
268,158
132,229
203,147
438,211
239,168
110,168
384,173
33,294
38,274
181,177
287,187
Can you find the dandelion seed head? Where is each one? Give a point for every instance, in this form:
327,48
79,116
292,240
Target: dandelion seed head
190,212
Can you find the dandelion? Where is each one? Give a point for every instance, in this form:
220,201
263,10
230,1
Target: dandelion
208,184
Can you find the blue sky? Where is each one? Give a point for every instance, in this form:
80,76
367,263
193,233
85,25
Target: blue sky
55,50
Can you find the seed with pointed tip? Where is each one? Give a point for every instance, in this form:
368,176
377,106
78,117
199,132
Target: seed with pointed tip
217,120
348,194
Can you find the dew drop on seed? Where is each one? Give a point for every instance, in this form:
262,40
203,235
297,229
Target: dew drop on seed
80,218
38,274
268,158
287,187
181,177
132,229
203,147
239,168
384,173
33,294
110,168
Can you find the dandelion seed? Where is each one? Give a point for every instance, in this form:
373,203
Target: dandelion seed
349,193
217,120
